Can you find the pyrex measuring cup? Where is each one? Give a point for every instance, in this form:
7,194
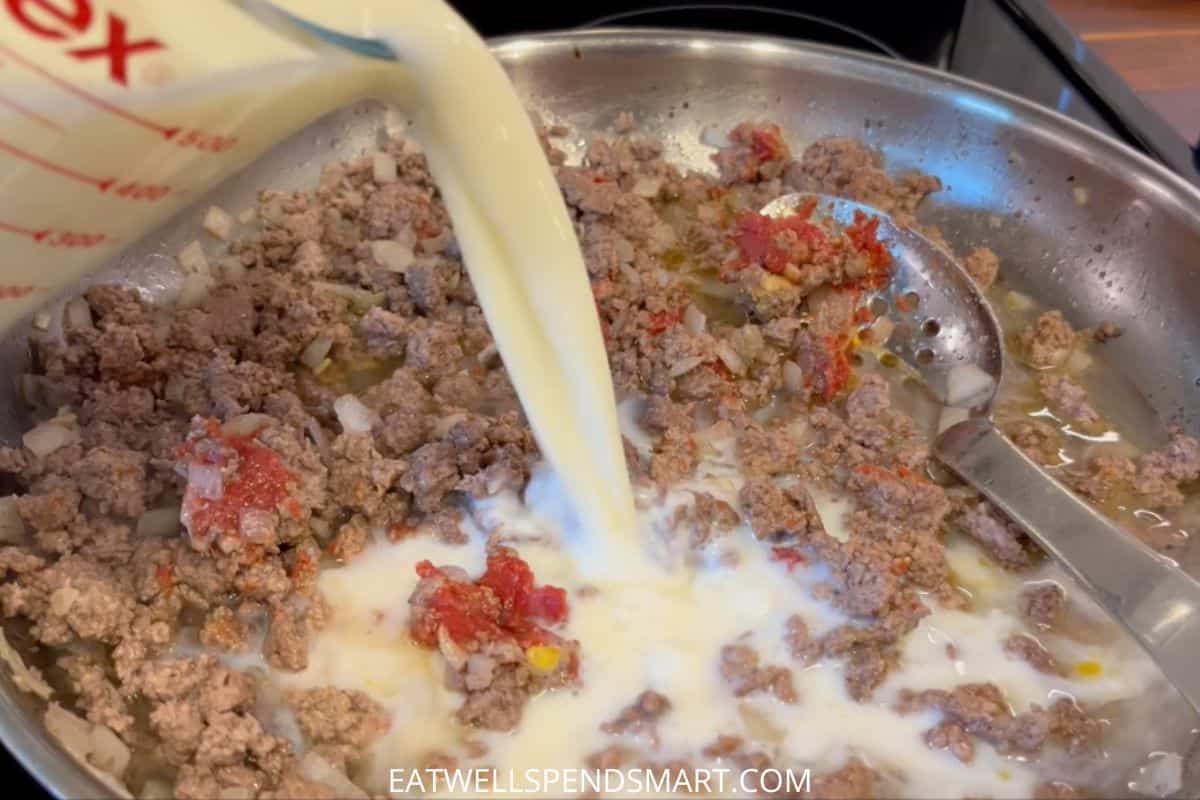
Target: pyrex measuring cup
116,113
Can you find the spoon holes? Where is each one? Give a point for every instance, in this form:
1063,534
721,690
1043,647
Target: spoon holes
908,301
925,357
931,327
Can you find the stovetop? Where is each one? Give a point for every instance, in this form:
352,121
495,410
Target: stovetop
1016,45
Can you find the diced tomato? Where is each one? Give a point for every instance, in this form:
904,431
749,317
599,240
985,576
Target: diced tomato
504,603
791,556
834,367
776,243
661,320
260,483
863,235
767,144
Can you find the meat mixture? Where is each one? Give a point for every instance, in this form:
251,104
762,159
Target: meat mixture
325,393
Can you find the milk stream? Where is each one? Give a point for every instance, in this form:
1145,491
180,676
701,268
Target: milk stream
512,225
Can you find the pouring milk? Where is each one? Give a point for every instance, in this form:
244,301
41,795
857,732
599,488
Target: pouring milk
79,145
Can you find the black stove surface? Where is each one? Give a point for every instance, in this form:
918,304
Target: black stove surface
1016,45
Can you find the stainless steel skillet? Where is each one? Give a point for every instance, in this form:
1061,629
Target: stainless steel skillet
1128,254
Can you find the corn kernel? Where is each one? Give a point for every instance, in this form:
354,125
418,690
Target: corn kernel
543,658
1004,775
1088,669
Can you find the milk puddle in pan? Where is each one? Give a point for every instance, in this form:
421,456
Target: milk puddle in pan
666,633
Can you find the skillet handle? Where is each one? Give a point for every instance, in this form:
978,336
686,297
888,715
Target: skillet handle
1155,600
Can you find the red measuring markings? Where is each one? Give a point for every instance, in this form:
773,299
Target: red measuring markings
15,292
52,237
167,132
190,138
130,190
29,113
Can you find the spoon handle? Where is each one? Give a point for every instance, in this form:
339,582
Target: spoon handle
1158,602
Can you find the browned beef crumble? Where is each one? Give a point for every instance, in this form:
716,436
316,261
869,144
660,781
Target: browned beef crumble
137,386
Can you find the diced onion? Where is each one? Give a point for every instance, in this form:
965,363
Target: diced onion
361,299
747,341
353,415
95,746
23,677
47,437
793,377
256,526
77,315
205,481
42,320
192,259
730,358
231,269
246,424
1018,302
248,215
383,167
316,352
12,527
316,769
218,222
647,187
685,365
196,287
694,319
159,522
967,385
396,257
881,331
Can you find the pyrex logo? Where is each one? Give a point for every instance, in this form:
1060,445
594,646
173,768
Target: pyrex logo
72,20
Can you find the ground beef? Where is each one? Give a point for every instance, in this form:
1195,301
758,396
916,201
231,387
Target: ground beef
224,630
1002,540
952,737
448,428
639,717
742,673
386,333
339,720
286,644
1067,399
1040,440
350,540
1047,341
980,710
846,167
115,479
854,781
1160,472
1043,603
1031,651
767,451
778,513
704,520
982,265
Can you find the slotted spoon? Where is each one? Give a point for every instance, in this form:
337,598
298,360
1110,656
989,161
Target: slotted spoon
947,333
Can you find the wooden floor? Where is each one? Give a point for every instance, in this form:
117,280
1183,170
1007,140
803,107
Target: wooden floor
1153,44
